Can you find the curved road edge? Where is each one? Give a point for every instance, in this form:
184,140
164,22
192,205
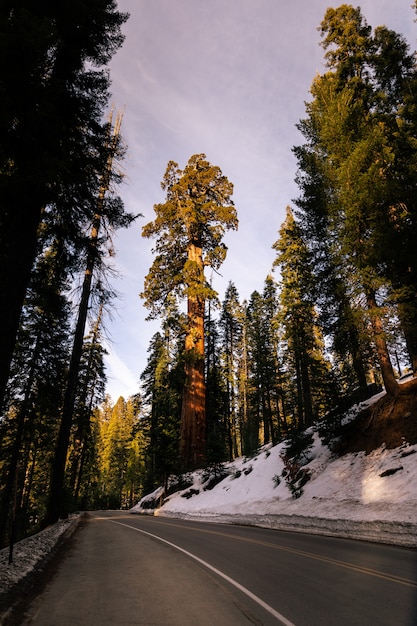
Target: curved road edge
31,557
378,531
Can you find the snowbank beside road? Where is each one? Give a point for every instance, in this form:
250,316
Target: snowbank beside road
30,554
372,497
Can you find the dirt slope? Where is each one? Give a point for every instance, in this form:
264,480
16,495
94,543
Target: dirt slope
392,421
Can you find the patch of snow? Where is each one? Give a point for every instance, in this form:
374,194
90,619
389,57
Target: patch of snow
352,487
29,553
368,496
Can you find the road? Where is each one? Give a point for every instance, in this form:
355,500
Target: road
126,569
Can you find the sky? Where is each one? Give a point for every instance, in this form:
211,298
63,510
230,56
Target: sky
227,78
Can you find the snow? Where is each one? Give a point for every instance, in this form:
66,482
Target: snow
362,496
370,496
29,553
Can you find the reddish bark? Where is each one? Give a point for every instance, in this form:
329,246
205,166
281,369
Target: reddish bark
193,412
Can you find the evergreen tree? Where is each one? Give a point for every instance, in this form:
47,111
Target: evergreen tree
276,401
342,323
231,327
189,228
161,383
109,214
305,349
35,387
53,90
256,388
266,385
358,112
395,72
217,410
117,432
90,393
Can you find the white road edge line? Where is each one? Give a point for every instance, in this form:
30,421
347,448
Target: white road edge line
246,591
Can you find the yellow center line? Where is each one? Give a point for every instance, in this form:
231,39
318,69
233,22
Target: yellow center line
356,568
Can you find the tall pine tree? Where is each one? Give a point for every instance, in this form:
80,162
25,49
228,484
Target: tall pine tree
305,361
54,91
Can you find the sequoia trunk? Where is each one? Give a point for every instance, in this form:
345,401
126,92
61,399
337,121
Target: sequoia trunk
193,411
19,225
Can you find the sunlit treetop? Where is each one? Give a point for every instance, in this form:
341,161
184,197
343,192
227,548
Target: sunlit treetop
188,230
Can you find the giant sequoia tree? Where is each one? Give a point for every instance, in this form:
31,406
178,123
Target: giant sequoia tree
53,91
189,227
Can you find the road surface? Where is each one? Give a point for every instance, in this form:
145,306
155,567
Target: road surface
128,569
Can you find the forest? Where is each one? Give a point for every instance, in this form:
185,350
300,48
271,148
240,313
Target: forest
333,322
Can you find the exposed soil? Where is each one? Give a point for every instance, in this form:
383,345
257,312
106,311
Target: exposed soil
390,421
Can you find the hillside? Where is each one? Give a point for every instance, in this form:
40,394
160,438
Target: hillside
389,421
364,487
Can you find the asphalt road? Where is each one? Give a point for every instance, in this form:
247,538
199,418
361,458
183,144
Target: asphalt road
123,569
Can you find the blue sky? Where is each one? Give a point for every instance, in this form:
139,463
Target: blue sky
228,78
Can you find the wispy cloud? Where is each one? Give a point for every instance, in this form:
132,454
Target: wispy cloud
121,381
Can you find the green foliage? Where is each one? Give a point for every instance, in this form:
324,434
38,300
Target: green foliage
298,445
179,482
189,229
121,453
54,91
35,393
295,476
306,364
266,384
355,202
55,162
213,474
232,377
290,355
161,384
197,212
294,456
217,405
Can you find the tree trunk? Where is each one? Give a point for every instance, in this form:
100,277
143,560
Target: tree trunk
19,235
86,404
299,400
265,410
57,507
307,399
21,422
357,361
193,410
407,316
390,384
